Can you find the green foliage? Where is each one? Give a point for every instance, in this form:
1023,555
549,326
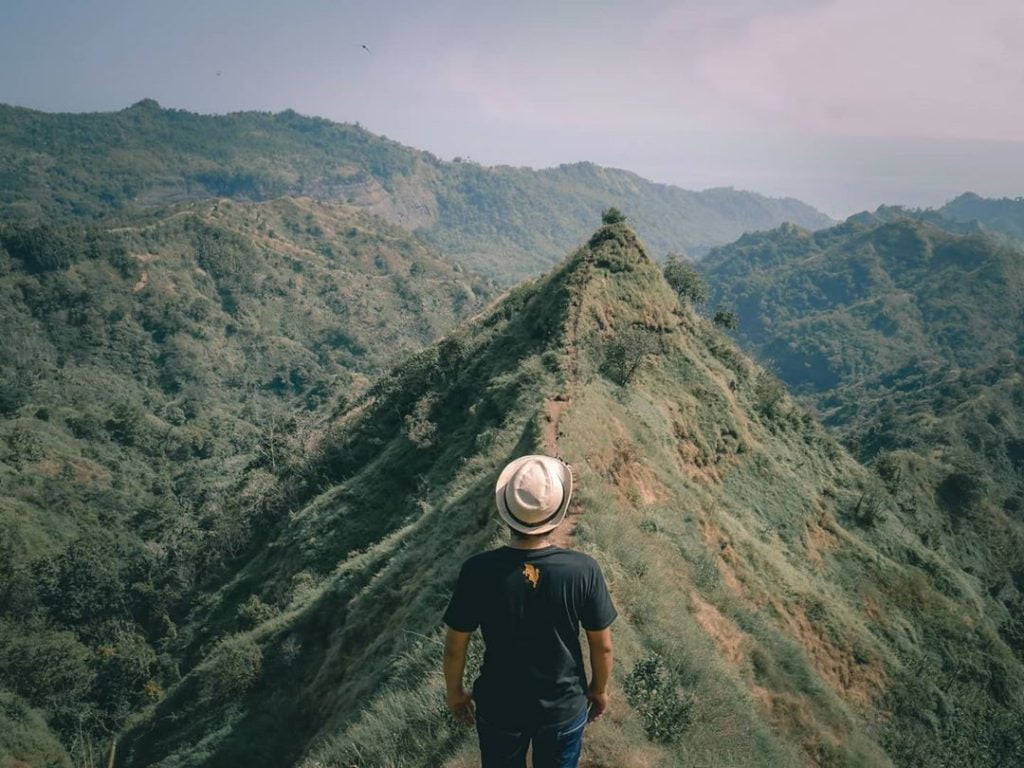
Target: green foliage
685,280
612,216
778,611
963,487
254,612
655,692
627,351
727,319
25,738
1004,215
233,668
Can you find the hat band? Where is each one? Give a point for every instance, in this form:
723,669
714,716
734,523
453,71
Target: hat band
548,519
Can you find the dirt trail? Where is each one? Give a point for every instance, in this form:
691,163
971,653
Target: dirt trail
554,408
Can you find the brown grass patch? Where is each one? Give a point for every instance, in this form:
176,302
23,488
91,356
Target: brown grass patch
726,558
791,714
82,471
625,469
858,683
818,539
732,642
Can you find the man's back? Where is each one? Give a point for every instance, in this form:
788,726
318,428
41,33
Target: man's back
530,604
530,599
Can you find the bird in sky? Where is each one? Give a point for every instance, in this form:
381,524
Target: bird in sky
365,48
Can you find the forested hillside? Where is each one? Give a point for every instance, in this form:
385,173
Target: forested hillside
158,371
507,222
1004,215
778,604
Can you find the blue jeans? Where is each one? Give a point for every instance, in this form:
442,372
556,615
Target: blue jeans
556,746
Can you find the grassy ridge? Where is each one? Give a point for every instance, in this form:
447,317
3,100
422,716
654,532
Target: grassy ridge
506,222
766,618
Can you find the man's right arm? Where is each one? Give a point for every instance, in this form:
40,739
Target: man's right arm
600,642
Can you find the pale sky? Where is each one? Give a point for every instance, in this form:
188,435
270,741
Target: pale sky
845,104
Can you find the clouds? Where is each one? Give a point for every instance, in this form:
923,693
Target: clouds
924,68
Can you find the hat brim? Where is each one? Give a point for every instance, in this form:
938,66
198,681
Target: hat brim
564,473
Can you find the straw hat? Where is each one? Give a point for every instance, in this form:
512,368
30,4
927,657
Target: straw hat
533,493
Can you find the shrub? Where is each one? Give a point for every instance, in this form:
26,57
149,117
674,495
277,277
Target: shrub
963,487
654,691
628,351
769,395
254,611
869,508
726,319
612,216
234,666
685,280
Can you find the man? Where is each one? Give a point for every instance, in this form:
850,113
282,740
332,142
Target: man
530,598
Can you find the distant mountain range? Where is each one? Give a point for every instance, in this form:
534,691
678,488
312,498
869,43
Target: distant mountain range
505,222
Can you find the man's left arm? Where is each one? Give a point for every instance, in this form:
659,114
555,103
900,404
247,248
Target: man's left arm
460,700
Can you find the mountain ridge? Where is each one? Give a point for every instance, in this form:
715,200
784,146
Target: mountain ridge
771,615
504,221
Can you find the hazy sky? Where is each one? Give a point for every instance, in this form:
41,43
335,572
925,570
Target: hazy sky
843,103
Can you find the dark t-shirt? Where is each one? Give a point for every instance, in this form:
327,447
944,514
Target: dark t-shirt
530,604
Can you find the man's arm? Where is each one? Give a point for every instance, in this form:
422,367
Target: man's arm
600,642
460,701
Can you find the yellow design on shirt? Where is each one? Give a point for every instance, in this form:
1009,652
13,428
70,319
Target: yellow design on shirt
532,574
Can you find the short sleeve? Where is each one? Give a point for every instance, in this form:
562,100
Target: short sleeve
463,613
598,611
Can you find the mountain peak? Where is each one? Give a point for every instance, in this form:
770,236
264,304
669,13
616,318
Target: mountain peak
145,105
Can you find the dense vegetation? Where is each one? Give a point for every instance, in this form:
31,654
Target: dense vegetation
1003,215
778,605
507,222
157,370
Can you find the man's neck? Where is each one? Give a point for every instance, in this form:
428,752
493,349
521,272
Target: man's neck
530,542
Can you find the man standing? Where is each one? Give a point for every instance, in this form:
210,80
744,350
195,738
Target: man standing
530,598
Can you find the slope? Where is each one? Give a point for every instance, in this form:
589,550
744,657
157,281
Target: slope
157,370
765,620
507,222
907,338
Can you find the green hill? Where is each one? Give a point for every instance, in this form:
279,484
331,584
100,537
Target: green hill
157,369
1004,215
778,606
507,222
902,334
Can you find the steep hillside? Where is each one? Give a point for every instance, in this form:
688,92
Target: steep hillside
776,607
902,334
156,370
507,222
908,339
